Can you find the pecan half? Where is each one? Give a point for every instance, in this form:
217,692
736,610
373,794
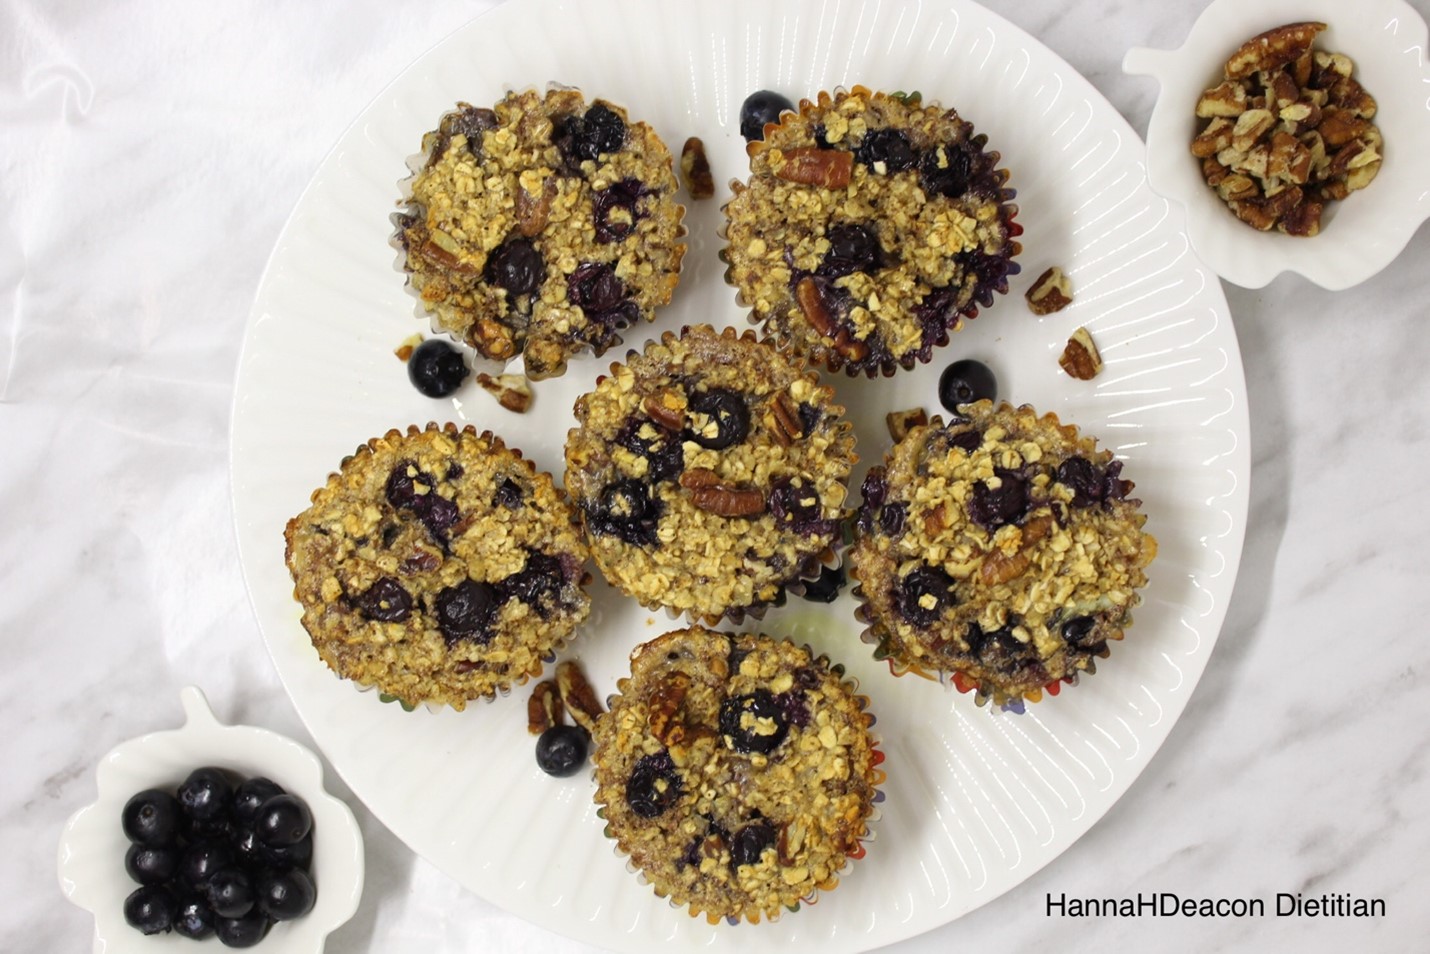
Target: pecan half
578,695
712,496
784,420
543,709
811,303
810,165
1273,49
533,211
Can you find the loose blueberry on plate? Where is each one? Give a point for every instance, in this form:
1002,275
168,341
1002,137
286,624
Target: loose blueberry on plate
964,382
436,369
561,750
759,110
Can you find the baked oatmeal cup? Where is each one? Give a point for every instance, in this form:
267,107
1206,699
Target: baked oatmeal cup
709,471
438,566
1000,550
737,772
870,227
541,227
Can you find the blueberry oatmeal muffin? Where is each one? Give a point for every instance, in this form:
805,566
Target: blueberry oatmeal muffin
542,226
438,566
737,772
709,471
1001,549
870,227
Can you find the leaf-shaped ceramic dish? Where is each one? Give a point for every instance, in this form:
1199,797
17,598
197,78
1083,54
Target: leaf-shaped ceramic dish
1360,235
92,846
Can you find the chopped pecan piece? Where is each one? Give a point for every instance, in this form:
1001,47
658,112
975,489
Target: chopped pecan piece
511,390
695,169
1080,359
901,422
1051,292
666,408
810,165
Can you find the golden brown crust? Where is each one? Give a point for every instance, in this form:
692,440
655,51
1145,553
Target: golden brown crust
857,169
736,771
376,568
1001,548
721,537
497,176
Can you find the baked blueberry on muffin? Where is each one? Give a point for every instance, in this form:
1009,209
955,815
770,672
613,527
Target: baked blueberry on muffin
737,772
1001,549
542,226
709,471
439,566
869,228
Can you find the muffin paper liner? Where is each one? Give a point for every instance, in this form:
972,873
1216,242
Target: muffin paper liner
809,570
877,777
828,357
406,204
557,645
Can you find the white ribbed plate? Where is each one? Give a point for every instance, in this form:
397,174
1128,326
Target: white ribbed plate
976,800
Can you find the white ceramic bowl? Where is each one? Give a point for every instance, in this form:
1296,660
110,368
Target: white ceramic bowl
92,846
1360,235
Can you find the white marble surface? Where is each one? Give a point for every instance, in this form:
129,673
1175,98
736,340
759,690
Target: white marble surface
151,152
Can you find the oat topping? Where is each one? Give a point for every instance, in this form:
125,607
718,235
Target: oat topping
869,228
439,566
709,471
1002,548
1288,131
736,771
542,226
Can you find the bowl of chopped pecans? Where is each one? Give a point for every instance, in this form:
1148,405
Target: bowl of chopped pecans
1293,132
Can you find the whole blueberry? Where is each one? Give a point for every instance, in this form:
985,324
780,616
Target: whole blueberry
253,792
516,266
992,507
151,817
194,918
207,794
150,864
760,109
230,892
436,369
464,611
964,382
653,786
200,860
922,595
285,895
386,601
753,723
282,820
727,410
244,931
750,843
151,909
887,146
561,750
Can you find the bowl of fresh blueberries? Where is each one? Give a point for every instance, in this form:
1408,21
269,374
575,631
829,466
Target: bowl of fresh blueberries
212,831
